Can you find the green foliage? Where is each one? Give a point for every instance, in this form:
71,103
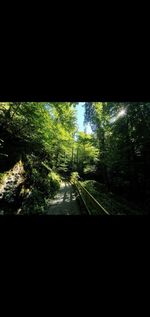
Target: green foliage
41,189
3,177
74,177
46,132
114,204
86,152
54,182
38,133
89,185
34,203
47,127
122,131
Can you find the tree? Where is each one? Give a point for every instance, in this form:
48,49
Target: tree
123,134
86,152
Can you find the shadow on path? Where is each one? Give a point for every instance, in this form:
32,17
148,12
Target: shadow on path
64,202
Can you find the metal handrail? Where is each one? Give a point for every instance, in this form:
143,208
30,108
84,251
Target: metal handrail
47,167
80,193
78,184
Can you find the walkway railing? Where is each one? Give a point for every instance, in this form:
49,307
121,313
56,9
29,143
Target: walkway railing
92,205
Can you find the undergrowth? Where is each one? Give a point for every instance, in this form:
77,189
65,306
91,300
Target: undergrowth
114,204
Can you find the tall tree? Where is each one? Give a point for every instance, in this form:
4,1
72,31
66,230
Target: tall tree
123,132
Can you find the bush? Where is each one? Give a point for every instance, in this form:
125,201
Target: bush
74,177
90,186
41,189
35,203
41,185
54,182
3,177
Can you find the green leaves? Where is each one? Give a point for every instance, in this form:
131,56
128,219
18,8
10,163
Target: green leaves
123,134
86,152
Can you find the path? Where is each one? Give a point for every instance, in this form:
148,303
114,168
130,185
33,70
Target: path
64,202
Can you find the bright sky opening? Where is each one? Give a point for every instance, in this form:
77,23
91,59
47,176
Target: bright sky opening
80,118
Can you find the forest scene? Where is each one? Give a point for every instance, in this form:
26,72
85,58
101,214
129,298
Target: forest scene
71,158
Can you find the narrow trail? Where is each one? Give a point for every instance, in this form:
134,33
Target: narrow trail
64,202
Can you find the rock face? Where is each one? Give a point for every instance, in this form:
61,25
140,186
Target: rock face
10,189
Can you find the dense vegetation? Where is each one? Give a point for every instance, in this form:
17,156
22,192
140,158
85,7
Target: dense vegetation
122,131
40,135
42,143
